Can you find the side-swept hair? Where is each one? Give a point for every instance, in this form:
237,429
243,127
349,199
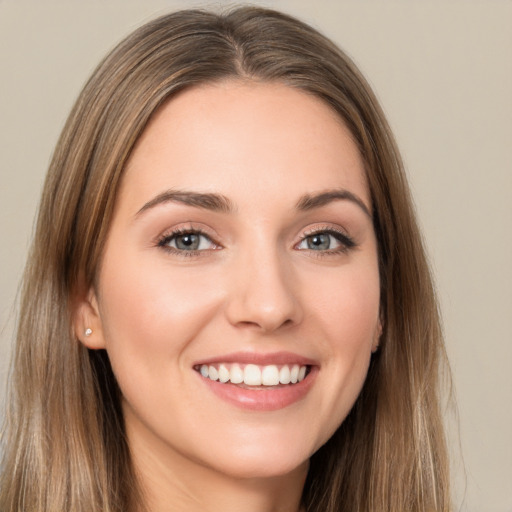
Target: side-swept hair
65,446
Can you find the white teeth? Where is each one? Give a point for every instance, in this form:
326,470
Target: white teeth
237,374
294,374
270,376
253,375
223,373
284,375
213,373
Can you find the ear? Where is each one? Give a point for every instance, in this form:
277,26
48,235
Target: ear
87,321
377,335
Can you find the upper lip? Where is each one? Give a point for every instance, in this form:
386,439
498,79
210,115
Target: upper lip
260,359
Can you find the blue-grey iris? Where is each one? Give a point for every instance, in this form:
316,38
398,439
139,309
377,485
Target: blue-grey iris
320,241
188,241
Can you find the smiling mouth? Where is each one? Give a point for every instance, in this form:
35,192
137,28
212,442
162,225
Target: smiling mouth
252,375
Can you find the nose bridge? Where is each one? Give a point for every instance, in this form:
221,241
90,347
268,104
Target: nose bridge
263,291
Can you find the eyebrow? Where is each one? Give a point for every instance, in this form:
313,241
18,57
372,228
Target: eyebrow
309,202
206,201
220,203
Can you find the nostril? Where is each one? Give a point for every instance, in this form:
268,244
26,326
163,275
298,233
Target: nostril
267,324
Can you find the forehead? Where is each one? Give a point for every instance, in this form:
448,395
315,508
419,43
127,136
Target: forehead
240,138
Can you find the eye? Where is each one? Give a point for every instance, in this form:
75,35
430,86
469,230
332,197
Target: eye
187,241
326,241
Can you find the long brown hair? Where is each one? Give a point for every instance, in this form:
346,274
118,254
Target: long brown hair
65,448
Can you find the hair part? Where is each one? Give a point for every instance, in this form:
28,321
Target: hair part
65,445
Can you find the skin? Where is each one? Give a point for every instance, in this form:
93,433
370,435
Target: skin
258,286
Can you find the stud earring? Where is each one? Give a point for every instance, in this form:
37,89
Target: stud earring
88,332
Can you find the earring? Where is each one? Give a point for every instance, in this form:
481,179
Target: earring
88,332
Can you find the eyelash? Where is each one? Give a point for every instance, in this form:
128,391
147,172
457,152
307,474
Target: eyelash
346,242
165,239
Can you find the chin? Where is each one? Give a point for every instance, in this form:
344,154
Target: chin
253,457
265,468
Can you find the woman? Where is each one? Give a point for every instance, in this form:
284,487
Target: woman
227,302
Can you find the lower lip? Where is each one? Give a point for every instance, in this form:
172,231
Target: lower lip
262,398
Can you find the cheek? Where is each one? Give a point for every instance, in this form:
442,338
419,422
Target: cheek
348,307
348,319
150,313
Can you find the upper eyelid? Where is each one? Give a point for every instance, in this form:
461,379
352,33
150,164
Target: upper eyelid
172,234
324,228
188,227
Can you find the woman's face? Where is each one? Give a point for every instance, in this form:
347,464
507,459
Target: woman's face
241,249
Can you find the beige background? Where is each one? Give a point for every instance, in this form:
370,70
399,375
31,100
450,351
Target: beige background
443,71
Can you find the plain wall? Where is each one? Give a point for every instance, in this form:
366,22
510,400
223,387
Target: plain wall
443,71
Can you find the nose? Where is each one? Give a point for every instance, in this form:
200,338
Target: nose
263,293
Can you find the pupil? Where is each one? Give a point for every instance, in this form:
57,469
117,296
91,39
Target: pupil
320,241
187,241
